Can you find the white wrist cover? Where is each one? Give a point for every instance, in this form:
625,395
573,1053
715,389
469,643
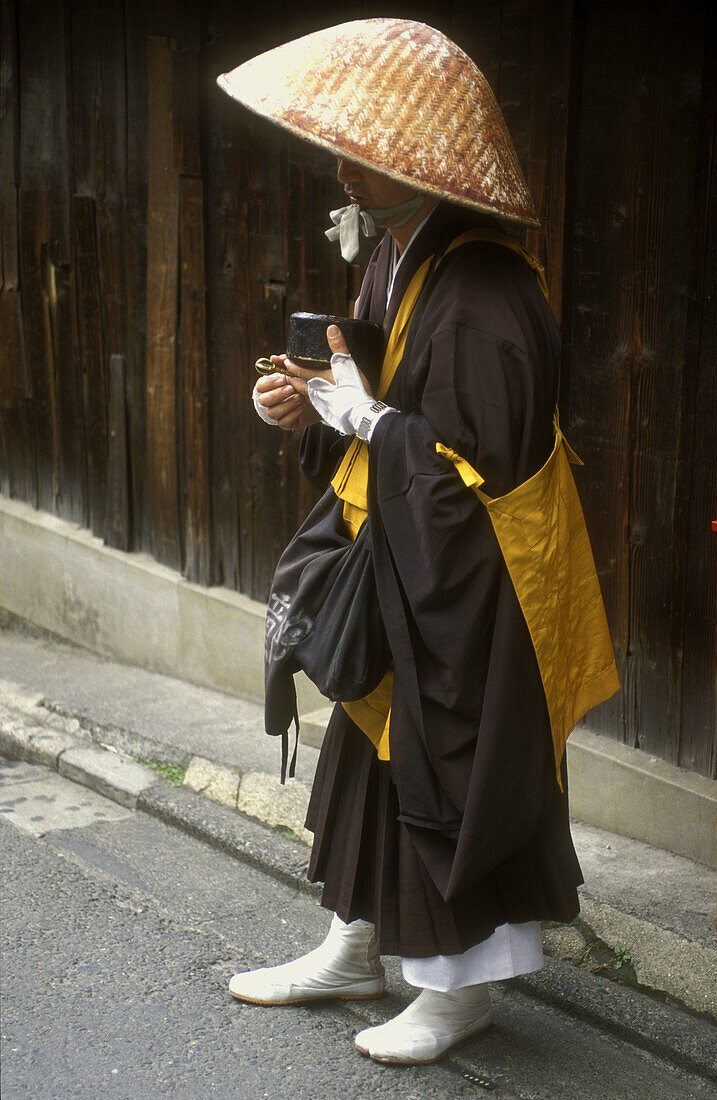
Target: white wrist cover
262,412
346,406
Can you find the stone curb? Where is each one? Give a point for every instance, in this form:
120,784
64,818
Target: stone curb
663,1029
132,785
230,832
55,731
102,770
255,794
649,946
107,773
25,739
670,1032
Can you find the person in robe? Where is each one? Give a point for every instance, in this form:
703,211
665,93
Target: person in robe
439,806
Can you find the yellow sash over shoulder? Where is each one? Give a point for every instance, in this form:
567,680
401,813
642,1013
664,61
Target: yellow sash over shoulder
542,535
541,531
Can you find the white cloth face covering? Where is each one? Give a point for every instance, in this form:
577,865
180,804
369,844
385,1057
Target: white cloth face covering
352,220
512,949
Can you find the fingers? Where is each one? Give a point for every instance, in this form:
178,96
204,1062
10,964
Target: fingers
336,341
276,397
275,386
291,417
304,374
268,382
299,386
296,414
338,346
283,399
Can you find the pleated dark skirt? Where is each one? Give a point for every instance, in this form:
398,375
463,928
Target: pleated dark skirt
370,868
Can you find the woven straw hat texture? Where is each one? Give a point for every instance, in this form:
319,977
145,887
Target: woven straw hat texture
398,97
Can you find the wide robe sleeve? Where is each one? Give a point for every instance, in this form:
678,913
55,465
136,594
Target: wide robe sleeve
470,745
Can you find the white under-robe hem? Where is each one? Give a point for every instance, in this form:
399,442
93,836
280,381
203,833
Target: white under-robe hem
512,949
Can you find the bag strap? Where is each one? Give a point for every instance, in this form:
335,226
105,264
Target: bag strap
496,237
473,480
399,332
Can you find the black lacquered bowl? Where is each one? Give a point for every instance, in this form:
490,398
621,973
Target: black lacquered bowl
309,347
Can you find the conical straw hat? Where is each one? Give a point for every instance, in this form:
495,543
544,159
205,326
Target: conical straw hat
398,97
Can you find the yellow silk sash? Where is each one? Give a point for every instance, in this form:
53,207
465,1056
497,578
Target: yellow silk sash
542,535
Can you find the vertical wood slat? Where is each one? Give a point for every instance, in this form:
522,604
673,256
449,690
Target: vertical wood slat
664,199
135,32
17,450
185,99
227,304
99,136
9,140
267,332
193,361
99,144
194,467
44,223
162,281
70,413
547,162
92,352
117,517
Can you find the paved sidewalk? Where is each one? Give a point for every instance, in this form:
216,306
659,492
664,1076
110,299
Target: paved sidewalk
648,916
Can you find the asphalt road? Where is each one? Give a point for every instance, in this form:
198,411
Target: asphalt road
120,935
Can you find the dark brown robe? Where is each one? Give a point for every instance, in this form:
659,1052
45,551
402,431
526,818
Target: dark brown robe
465,828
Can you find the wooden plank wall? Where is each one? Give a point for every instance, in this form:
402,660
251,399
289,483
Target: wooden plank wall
155,239
640,384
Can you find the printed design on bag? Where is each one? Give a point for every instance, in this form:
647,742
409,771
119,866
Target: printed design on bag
283,631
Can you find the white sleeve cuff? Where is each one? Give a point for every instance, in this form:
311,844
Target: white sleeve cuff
261,411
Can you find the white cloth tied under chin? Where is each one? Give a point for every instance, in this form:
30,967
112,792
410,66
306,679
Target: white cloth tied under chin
350,221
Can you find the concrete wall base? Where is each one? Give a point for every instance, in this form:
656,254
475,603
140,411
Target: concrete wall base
629,792
60,577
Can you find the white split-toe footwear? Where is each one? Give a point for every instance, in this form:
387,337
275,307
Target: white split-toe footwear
429,1027
346,965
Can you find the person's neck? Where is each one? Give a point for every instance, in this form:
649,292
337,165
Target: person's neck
403,233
